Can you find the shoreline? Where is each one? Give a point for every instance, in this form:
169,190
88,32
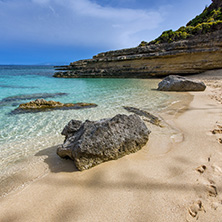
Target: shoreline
34,165
158,183
45,161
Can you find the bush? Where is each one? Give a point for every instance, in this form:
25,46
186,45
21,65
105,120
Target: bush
208,21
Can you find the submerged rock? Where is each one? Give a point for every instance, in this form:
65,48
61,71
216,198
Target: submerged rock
12,99
148,116
179,83
43,105
93,142
32,96
17,87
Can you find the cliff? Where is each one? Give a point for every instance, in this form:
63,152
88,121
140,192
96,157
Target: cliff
199,50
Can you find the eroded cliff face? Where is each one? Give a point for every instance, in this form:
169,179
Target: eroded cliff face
201,53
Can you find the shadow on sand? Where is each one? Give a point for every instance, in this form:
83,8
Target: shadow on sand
54,162
97,176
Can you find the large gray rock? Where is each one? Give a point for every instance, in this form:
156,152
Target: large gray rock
93,142
179,83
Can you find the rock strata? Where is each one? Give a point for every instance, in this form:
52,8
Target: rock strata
93,142
195,55
180,83
44,105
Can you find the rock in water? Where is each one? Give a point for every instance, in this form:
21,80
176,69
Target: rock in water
93,142
149,117
179,83
11,99
40,105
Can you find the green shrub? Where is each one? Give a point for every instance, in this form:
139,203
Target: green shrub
208,21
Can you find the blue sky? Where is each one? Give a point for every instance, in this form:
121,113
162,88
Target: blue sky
62,31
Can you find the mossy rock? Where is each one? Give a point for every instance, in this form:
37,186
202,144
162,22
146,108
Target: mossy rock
40,105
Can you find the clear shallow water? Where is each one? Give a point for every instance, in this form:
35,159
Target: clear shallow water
23,135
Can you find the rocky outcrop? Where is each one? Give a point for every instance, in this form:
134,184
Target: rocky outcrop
43,105
179,83
196,55
93,142
191,49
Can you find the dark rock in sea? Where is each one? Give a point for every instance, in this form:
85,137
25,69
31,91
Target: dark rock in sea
148,116
33,96
40,105
15,104
11,99
17,87
93,142
180,84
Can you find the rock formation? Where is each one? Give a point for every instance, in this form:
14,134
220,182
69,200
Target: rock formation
93,142
43,105
189,50
179,83
191,56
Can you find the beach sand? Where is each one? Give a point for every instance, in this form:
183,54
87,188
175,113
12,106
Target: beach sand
177,176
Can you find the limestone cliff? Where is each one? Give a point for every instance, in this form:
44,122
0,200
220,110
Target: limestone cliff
189,54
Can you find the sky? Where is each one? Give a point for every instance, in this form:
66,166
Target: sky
58,32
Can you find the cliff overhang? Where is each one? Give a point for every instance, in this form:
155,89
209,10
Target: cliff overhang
196,55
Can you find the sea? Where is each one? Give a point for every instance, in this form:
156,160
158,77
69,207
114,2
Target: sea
24,136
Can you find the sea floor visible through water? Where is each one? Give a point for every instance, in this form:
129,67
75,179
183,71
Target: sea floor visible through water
24,136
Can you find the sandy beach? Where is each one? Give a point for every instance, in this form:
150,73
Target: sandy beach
177,176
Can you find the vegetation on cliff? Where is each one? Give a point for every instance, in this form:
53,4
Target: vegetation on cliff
209,20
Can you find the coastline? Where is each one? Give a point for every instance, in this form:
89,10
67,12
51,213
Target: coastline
158,183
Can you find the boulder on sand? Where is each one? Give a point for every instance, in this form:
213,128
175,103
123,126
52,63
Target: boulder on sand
93,142
180,84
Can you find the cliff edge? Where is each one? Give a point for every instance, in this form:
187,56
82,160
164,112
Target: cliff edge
195,48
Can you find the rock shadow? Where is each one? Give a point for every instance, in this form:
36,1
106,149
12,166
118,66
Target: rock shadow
54,162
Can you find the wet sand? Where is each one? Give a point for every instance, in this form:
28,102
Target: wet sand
177,176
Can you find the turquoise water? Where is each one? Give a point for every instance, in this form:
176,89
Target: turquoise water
23,135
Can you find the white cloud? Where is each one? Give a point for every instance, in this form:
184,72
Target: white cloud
75,22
